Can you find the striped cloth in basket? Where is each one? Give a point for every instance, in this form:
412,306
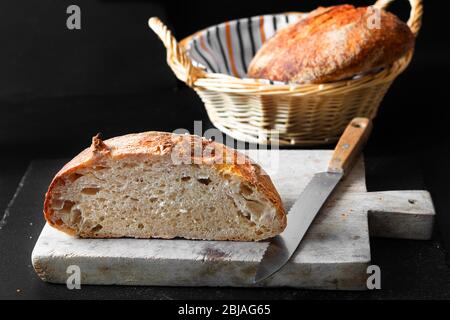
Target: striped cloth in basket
229,47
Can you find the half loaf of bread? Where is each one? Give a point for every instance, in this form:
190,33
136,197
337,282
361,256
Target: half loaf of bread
162,185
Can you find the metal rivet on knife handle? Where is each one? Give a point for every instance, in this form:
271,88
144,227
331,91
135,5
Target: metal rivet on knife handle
350,144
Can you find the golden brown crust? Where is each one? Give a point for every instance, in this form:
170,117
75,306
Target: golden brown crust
185,147
331,44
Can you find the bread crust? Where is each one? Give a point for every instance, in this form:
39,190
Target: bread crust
151,145
332,44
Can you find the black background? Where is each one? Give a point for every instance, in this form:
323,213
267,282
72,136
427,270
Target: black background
59,87
62,86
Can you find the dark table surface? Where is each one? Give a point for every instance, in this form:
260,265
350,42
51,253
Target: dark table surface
410,269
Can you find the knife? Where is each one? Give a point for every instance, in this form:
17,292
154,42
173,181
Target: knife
304,210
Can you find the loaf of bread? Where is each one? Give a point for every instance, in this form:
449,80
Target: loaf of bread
161,185
332,44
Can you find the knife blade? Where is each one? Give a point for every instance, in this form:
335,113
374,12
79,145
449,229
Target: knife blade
312,199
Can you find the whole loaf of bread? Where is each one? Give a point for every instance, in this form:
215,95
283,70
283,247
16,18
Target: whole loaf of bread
332,44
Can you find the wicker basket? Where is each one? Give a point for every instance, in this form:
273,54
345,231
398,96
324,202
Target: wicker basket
285,114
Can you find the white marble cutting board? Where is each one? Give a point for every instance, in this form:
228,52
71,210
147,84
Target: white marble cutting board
334,254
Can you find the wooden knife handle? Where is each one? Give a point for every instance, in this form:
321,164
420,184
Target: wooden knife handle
350,145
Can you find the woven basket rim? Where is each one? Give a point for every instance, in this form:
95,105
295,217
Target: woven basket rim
209,80
198,78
